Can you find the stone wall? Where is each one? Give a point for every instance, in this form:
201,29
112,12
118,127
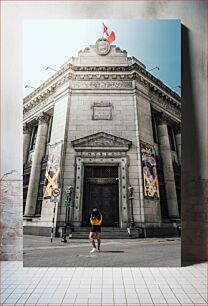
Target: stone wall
11,217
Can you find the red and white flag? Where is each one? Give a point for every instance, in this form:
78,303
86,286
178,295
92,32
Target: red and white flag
110,34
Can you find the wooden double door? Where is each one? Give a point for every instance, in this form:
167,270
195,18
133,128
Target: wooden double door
101,191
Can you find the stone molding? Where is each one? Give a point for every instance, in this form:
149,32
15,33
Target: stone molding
167,105
101,85
101,141
86,159
131,72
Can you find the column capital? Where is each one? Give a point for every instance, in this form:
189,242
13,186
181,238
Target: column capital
43,118
177,129
27,128
161,118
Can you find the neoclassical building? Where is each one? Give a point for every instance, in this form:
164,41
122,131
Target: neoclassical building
117,130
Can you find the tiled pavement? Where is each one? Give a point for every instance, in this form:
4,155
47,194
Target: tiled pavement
103,286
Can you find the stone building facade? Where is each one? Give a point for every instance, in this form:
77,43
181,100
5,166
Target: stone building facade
103,107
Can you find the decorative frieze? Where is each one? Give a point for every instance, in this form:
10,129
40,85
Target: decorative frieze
101,85
33,110
101,139
167,105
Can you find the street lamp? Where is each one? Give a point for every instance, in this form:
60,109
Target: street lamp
68,204
130,189
158,68
51,69
178,86
26,86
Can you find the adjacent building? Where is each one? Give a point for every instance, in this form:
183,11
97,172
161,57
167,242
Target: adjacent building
116,133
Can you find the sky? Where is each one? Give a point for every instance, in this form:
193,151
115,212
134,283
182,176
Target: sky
52,42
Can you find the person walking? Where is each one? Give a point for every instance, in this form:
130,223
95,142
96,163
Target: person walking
95,220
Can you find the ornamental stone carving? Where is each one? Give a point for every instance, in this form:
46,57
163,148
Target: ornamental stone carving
161,118
27,128
103,140
43,118
101,85
102,46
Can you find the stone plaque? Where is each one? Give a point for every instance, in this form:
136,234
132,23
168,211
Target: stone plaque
102,113
102,46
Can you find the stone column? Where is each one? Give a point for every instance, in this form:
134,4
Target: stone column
165,153
177,130
26,141
38,154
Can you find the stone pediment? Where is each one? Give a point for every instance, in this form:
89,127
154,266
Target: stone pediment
96,56
101,141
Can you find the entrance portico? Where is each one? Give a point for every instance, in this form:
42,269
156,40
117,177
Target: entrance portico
97,154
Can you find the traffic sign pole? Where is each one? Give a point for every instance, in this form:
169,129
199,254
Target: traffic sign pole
52,228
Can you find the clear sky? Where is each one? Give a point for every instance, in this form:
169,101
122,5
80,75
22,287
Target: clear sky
53,42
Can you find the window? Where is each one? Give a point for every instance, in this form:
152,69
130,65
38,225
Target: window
34,137
154,128
171,138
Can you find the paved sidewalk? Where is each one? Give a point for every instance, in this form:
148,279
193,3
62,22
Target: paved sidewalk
152,252
103,286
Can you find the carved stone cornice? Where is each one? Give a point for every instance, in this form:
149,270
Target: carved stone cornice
43,118
166,105
27,128
134,71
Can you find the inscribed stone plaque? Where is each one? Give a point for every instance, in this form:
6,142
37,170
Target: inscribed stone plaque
102,113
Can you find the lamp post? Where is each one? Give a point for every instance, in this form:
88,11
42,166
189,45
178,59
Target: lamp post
51,69
130,189
26,86
68,204
158,68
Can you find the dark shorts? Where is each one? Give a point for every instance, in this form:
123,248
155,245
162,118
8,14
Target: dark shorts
96,229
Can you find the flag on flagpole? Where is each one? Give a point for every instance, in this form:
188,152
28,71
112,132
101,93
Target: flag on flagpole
110,34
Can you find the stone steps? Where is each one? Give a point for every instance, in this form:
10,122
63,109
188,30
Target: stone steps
107,233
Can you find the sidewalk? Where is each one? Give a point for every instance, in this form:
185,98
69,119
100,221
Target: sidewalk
103,286
152,252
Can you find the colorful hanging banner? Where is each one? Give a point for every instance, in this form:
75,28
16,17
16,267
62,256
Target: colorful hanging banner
52,186
149,171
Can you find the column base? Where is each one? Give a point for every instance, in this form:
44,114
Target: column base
133,232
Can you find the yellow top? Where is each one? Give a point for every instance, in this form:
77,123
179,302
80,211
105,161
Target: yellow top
96,221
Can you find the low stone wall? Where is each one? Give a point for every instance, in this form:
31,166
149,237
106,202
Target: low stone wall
11,217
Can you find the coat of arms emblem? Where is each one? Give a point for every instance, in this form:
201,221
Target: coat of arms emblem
102,46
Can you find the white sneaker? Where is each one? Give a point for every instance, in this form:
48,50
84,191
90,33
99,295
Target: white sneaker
93,250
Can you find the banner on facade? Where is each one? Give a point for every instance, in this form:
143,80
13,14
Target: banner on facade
149,171
52,186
